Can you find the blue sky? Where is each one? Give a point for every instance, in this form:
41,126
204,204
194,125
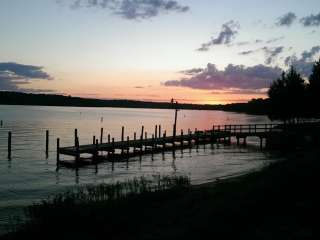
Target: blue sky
101,52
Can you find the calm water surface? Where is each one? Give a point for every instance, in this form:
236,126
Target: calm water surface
30,176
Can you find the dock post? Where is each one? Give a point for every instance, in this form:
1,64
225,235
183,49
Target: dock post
101,135
109,144
1,123
159,131
141,145
212,133
47,143
145,135
190,138
174,138
142,131
9,145
196,137
122,139
113,150
181,140
94,140
134,143
77,151
155,131
164,142
128,146
95,154
58,151
152,144
75,136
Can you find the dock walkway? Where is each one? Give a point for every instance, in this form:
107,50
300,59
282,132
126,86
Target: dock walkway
125,148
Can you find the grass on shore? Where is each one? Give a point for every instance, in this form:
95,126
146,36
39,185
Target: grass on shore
278,202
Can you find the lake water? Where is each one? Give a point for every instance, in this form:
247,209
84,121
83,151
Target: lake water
30,176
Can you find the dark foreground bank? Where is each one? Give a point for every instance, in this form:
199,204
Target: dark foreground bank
278,202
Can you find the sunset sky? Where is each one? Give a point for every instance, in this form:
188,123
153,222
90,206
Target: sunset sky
200,51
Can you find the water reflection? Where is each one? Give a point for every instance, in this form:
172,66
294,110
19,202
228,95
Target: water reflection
32,174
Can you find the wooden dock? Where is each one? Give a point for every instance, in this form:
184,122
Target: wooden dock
125,148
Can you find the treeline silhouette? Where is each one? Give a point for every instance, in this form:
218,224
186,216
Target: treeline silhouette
292,98
19,98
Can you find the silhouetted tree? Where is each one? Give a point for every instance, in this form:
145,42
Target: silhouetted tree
287,97
314,91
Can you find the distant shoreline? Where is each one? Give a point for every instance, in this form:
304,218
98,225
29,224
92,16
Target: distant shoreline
255,106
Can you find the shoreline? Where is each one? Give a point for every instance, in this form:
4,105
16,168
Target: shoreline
254,106
223,197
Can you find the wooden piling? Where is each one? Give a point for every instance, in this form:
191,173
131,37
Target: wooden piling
109,143
156,131
94,140
101,135
113,150
142,131
1,123
152,143
47,143
58,151
75,136
159,131
95,154
164,142
128,146
122,138
141,139
9,145
77,150
135,139
212,133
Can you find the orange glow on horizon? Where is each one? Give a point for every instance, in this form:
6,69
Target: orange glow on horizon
138,85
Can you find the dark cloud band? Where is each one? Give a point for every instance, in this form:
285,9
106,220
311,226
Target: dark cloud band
237,77
287,19
14,75
133,9
228,32
311,20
